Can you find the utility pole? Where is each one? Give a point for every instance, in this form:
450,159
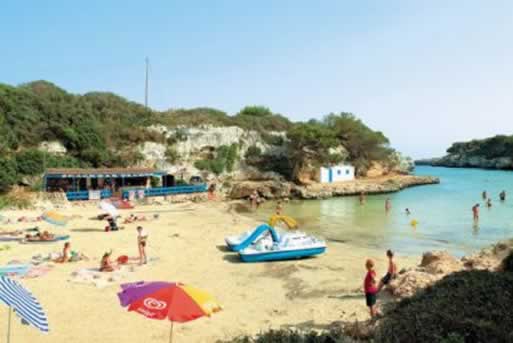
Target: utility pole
146,83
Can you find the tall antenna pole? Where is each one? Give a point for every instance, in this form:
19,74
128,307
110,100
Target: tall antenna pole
146,83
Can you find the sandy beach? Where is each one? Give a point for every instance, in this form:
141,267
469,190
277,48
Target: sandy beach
186,244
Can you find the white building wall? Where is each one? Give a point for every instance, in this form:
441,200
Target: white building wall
336,173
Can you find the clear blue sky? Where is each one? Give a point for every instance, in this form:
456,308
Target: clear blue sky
426,73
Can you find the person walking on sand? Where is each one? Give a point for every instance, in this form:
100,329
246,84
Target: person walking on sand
475,212
142,238
388,205
391,272
502,195
369,287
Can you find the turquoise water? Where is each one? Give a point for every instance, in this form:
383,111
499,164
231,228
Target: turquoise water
443,213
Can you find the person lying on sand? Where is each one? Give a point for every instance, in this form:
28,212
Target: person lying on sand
106,264
45,236
133,218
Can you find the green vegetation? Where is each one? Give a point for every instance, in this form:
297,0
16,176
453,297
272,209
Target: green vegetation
493,147
224,160
334,335
251,118
468,306
314,143
103,130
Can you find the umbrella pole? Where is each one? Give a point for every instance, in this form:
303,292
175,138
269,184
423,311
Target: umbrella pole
9,326
171,333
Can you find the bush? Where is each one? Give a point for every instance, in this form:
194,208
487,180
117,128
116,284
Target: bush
295,336
224,159
507,263
253,153
8,176
172,155
30,162
475,305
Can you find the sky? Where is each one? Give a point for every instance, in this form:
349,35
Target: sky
426,73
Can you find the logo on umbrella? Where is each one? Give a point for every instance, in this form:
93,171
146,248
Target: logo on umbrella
154,304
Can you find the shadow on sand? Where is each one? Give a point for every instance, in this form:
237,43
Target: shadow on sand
88,229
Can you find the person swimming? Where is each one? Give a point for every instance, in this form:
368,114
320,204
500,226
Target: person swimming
407,211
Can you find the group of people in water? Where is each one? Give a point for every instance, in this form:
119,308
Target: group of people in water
488,202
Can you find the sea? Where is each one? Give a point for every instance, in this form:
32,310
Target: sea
440,215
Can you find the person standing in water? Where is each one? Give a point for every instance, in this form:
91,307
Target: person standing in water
362,198
502,195
484,195
279,208
388,205
475,212
489,203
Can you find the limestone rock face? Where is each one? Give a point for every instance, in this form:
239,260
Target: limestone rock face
53,147
440,262
191,141
266,189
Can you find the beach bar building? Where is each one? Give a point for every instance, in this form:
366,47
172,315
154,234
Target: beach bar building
128,183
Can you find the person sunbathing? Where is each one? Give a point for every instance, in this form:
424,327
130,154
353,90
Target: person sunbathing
45,236
106,264
133,218
66,254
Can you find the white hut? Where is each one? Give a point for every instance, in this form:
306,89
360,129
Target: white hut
336,173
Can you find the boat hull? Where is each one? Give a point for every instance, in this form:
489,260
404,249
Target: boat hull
281,255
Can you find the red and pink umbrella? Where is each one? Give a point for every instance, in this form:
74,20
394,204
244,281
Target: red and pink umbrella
160,300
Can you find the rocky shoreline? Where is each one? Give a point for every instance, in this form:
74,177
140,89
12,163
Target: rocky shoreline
463,161
274,189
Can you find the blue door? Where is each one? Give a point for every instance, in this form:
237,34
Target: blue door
330,175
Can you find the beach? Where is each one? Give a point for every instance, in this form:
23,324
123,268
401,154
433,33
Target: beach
186,244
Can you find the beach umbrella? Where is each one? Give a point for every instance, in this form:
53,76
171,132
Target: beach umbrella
23,303
167,300
55,218
109,209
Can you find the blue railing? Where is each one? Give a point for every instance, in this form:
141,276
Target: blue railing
148,192
84,195
162,191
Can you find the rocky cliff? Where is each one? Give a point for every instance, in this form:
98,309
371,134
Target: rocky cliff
466,161
490,153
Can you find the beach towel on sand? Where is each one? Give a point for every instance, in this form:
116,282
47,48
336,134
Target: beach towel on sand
93,276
